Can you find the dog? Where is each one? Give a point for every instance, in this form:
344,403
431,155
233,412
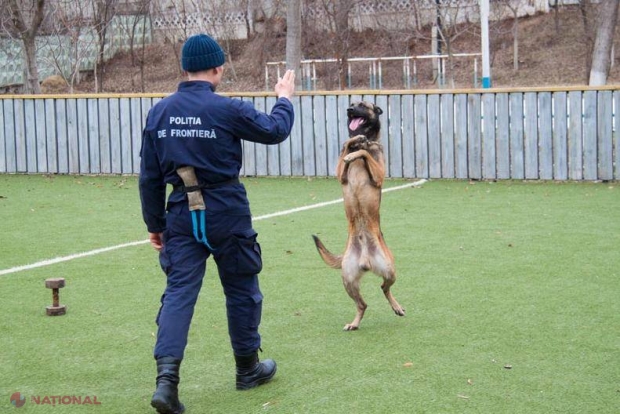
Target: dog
361,170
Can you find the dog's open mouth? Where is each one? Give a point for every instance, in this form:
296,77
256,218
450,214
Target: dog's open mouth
356,122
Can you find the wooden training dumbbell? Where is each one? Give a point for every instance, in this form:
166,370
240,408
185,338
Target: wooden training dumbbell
56,309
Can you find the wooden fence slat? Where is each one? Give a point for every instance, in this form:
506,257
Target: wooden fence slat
273,151
3,149
137,119
408,119
105,145
248,166
590,155
421,136
285,157
616,135
31,137
447,135
382,102
502,147
474,139
394,136
560,147
331,129
575,144
50,132
531,135
489,151
21,145
41,135
125,136
83,130
461,156
605,146
93,134
307,132
296,140
320,136
545,132
262,167
297,152
68,127
9,133
517,128
434,136
343,124
145,106
115,136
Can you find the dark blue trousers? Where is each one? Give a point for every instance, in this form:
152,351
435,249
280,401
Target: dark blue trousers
183,259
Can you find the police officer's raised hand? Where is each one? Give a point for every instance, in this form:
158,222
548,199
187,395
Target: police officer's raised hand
285,88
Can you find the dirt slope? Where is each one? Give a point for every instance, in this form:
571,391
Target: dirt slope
546,57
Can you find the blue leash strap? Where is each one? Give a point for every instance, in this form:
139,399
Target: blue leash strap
200,234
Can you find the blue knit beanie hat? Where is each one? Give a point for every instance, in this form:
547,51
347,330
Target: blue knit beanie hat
201,52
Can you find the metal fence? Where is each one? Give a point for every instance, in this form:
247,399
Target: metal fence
65,54
558,134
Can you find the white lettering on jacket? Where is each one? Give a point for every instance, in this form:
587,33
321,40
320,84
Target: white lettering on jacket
193,133
185,120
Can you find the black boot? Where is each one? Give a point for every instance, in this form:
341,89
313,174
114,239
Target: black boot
166,397
252,373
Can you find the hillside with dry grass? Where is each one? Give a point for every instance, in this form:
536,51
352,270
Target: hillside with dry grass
551,53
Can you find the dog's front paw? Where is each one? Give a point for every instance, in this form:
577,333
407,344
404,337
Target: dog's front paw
358,142
355,143
349,158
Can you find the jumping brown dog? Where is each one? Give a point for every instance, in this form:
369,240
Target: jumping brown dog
360,171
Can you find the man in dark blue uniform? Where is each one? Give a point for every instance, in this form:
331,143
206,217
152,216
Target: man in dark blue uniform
199,133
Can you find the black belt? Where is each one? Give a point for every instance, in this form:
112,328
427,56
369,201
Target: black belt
203,186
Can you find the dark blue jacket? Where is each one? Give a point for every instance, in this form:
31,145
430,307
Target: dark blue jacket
196,127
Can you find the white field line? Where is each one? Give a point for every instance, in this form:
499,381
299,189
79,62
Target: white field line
50,262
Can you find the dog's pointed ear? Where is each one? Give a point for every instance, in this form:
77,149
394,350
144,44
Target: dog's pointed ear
378,110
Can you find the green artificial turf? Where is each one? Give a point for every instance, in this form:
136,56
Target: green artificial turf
511,291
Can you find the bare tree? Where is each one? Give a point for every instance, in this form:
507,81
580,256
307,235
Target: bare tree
67,44
603,43
556,14
138,13
293,38
104,11
222,22
454,23
175,18
588,18
339,32
250,10
27,17
513,7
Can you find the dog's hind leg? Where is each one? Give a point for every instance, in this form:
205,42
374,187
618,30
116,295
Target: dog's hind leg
384,267
353,289
385,287
351,277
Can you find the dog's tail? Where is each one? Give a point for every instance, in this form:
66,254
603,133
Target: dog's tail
328,257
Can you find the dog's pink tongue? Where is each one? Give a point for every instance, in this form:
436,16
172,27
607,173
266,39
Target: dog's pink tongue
355,123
